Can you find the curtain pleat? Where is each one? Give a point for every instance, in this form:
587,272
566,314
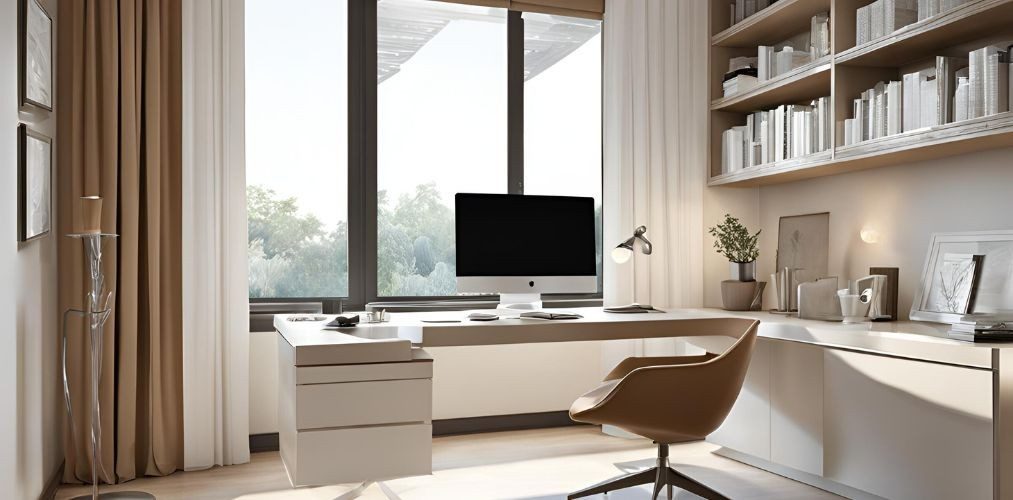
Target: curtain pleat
119,137
654,157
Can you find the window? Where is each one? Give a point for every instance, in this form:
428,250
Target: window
441,130
562,110
296,148
455,98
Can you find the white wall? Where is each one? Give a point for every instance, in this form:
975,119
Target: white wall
467,381
905,203
30,404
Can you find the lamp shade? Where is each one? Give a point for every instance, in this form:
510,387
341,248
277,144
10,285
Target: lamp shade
621,254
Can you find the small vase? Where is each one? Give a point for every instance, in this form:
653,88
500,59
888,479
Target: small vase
743,271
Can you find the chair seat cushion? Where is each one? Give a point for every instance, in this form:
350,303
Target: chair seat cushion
589,400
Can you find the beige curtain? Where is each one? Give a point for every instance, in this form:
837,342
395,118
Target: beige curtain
119,136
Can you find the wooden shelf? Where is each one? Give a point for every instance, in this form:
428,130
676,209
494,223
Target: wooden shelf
771,25
842,76
928,37
803,83
967,136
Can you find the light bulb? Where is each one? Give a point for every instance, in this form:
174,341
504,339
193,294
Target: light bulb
621,254
869,235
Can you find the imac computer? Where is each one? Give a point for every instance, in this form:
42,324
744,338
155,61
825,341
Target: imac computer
522,246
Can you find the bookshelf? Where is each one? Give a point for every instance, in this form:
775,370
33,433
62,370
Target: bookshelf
843,75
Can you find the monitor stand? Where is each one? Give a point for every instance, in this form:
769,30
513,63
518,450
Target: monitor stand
519,302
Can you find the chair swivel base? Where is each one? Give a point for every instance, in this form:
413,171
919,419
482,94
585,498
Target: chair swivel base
662,476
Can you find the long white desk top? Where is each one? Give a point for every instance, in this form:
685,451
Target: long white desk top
392,341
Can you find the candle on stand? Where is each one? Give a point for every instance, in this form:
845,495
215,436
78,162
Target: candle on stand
89,215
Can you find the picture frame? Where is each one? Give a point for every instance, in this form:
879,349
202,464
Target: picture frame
35,184
992,286
35,55
803,245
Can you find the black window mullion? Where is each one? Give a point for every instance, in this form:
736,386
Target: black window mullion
361,152
515,103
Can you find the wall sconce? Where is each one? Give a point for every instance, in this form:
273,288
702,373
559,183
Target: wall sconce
869,235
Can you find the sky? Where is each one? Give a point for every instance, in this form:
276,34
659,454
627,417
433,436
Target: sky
442,118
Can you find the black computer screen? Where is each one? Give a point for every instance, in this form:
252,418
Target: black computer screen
515,235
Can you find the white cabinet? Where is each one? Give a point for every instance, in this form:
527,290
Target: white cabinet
747,428
354,422
904,429
796,406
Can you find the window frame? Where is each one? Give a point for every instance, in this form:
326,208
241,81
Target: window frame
362,165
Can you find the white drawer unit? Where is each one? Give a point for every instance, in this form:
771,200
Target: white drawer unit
354,422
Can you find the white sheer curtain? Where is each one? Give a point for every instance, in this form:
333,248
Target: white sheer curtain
215,289
655,113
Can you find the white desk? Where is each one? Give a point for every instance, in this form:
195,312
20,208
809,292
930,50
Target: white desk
889,409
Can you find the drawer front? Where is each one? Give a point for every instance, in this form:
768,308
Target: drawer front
334,456
328,374
364,403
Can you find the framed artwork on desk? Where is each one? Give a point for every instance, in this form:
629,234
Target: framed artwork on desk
970,272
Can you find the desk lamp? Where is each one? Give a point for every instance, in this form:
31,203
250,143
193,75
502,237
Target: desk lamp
621,254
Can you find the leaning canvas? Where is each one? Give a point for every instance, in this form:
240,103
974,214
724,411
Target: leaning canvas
34,191
992,284
953,283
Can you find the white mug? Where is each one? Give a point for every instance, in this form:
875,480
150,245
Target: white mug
854,307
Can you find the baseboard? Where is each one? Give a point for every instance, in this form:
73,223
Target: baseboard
53,484
457,426
263,442
498,423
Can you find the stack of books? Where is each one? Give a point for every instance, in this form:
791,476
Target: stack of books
785,132
741,9
876,113
954,89
883,17
929,8
741,76
781,58
983,328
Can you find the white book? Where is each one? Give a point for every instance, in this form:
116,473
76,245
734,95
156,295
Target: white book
771,134
898,14
960,99
849,135
868,111
740,10
947,69
977,62
764,54
764,137
879,110
878,18
929,96
863,25
927,9
780,133
996,86
819,35
912,102
731,145
894,104
750,126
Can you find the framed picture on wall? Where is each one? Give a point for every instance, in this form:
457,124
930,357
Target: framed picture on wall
35,55
965,273
35,168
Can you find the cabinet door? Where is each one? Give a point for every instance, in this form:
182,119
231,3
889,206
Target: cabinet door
905,429
747,428
796,406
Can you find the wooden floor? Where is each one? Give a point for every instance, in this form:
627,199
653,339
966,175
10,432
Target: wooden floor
524,465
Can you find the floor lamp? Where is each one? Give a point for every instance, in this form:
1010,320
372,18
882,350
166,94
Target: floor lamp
622,253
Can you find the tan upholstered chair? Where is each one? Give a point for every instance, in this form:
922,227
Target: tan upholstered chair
670,400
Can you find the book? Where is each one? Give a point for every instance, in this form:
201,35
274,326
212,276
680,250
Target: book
764,58
1003,336
849,134
946,86
877,16
927,9
879,110
552,316
960,99
739,84
996,84
978,61
819,35
894,103
928,110
898,14
863,25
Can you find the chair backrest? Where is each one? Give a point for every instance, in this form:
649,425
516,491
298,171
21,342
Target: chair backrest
676,402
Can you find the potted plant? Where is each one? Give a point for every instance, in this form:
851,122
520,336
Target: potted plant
733,240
